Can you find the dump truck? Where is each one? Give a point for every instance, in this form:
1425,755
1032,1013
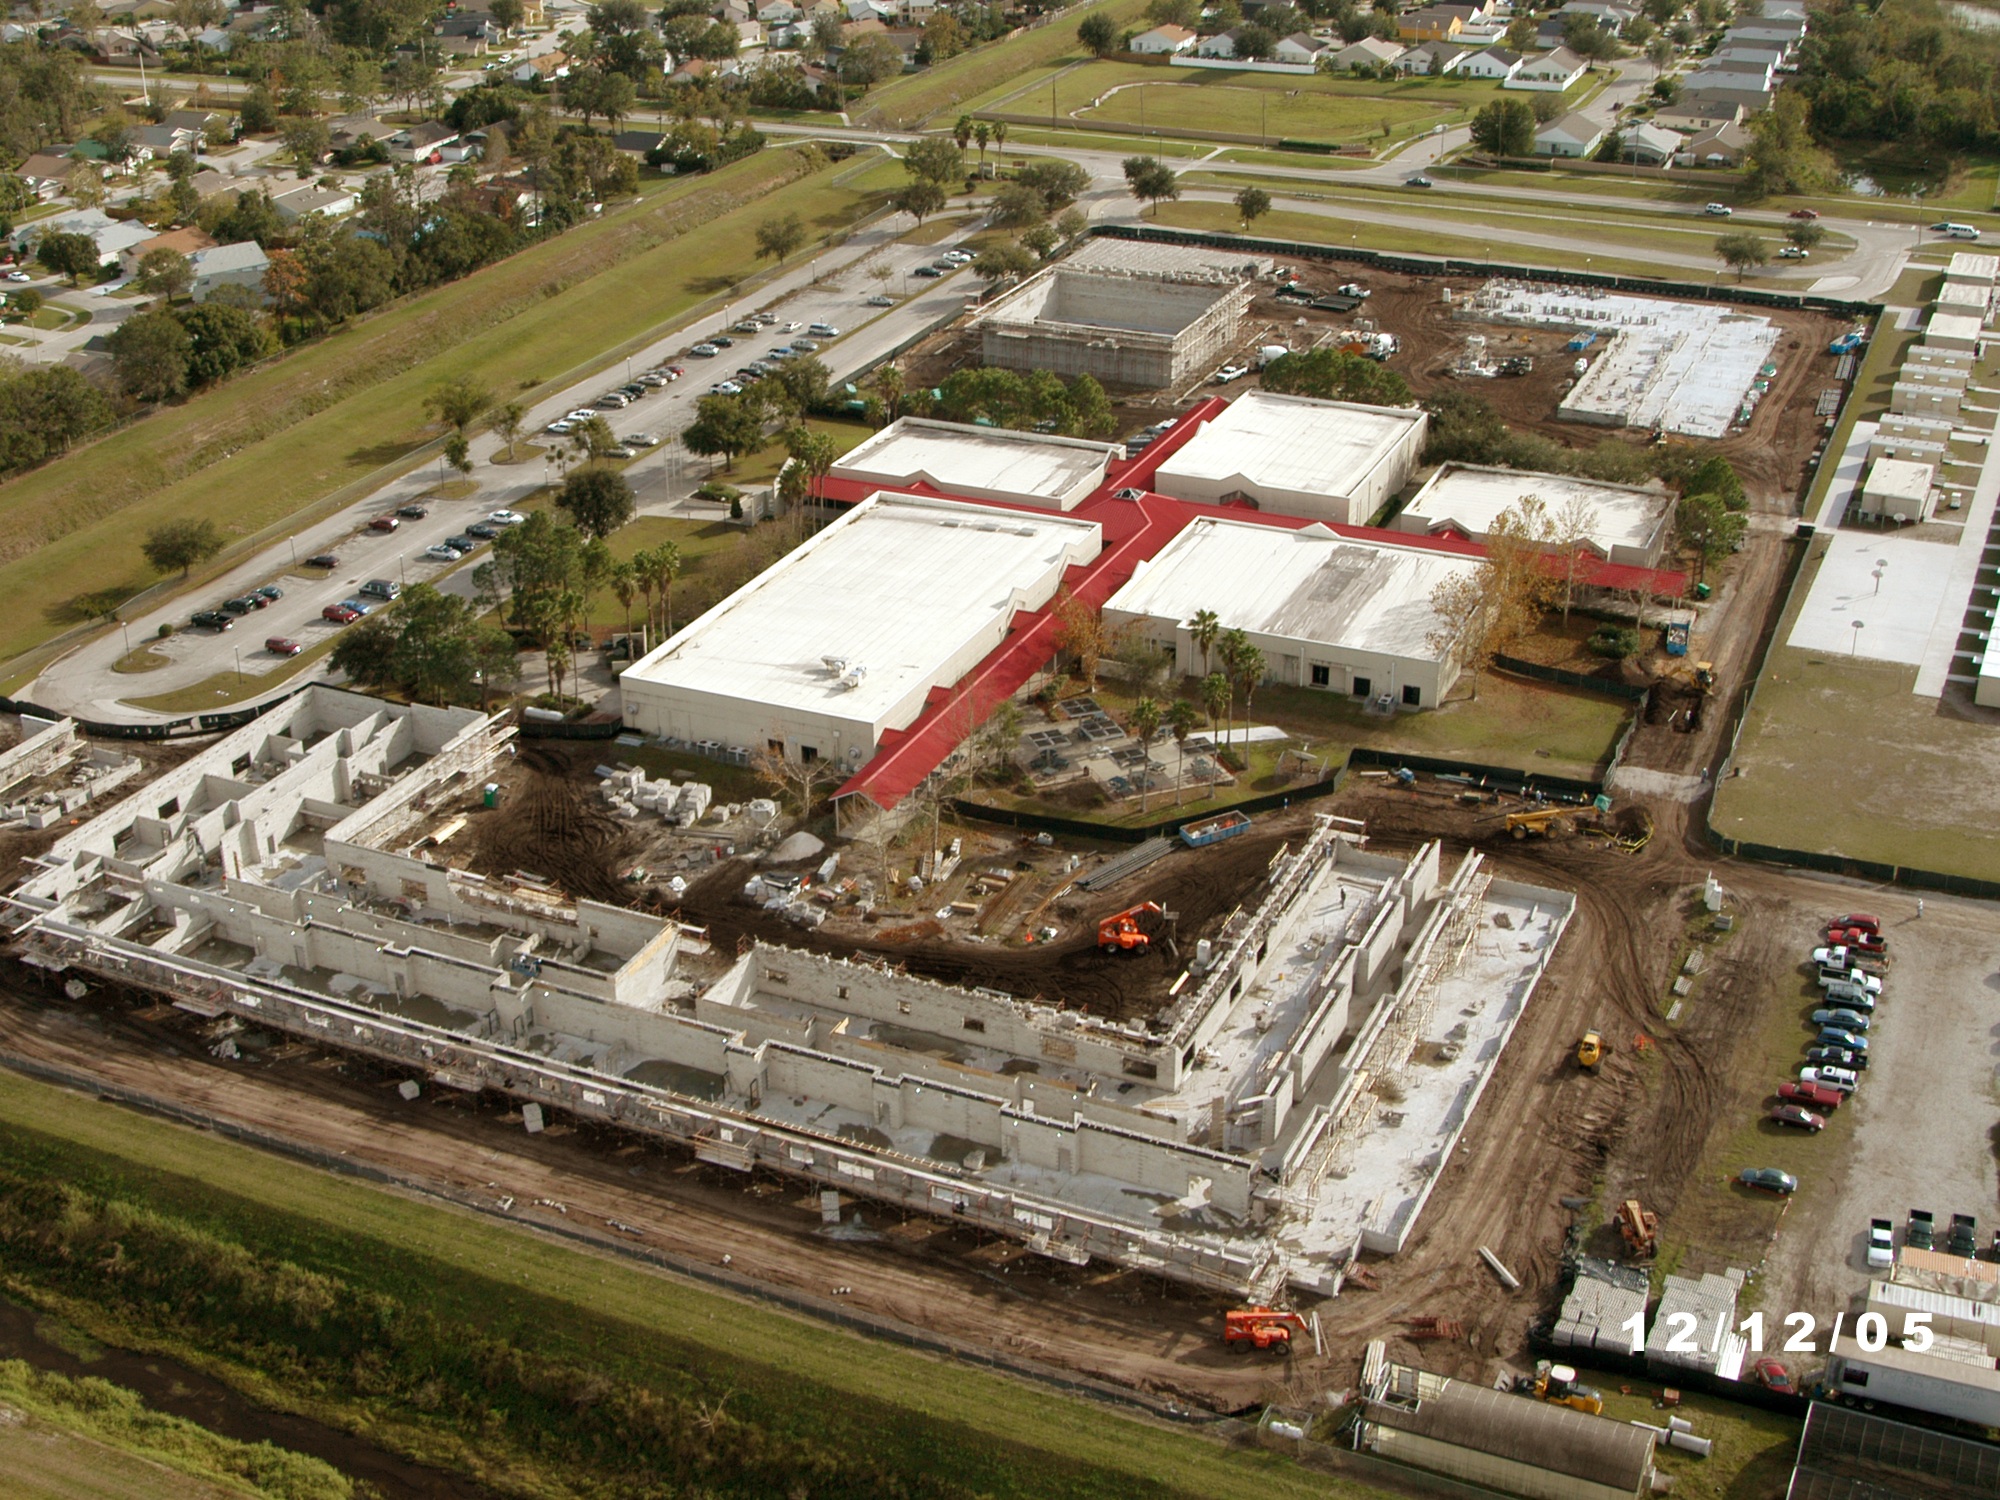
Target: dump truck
1590,1051
1545,821
1267,1328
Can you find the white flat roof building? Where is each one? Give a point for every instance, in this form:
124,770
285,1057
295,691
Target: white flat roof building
1327,611
985,463
1333,461
1969,266
845,638
1949,330
1626,524
1896,489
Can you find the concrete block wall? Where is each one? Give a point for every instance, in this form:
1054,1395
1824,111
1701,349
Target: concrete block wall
1913,398
39,752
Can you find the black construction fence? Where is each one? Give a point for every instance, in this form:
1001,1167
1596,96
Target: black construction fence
1438,265
194,724
1110,833
1582,681
569,729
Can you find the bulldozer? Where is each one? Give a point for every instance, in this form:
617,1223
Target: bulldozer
1590,1051
1699,674
1558,1386
1641,1228
1267,1328
1121,933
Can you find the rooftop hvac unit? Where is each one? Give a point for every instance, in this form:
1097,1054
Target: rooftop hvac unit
853,676
834,664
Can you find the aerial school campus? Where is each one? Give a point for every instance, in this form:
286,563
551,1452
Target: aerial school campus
923,749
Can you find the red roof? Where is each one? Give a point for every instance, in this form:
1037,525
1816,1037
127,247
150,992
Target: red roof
1134,531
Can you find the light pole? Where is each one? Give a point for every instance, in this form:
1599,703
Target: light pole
1881,567
293,543
239,664
1855,639
126,626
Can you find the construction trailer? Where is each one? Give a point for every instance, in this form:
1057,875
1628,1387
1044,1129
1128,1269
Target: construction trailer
1954,1378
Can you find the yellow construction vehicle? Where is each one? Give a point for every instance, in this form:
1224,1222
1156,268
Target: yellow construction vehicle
1545,821
1557,1386
1641,1228
1700,674
1590,1051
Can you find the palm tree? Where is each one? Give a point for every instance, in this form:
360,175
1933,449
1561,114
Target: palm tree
664,562
1250,667
1214,693
962,131
982,133
1203,630
1182,718
625,586
1230,646
999,135
1146,723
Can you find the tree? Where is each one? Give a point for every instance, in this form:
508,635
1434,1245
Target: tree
870,60
1145,716
507,422
1587,37
257,114
998,262
727,425
919,199
814,452
1183,13
1081,631
591,92
1252,203
1151,180
458,453
1231,646
599,501
937,159
1480,612
1042,239
1505,127
71,255
1016,206
803,385
1715,476
796,778
28,301
457,402
149,356
1099,33
1742,252
1574,526
166,273
180,545
1805,234
1202,630
222,340
307,141
1709,529
981,134
1183,718
1254,43
1782,156
780,238
1334,375
1060,183
657,568
507,14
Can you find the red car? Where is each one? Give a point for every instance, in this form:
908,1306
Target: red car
279,645
1811,1095
340,614
1804,213
1793,1114
1859,939
1773,1377
384,523
1860,919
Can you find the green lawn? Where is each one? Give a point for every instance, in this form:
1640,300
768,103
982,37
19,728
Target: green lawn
266,447
566,1340
938,95
1095,140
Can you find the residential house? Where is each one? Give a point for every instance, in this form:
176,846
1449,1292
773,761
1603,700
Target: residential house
1368,54
46,174
1300,48
470,27
778,12
750,33
200,121
1432,59
547,68
1222,44
1746,52
1163,41
181,241
636,142
1692,117
241,264
352,132
1552,71
163,141
1725,88
1613,15
915,12
421,143
215,39
1493,62
1786,35
1756,71
328,203
1434,23
1570,135
209,183
511,198
1649,145
1721,147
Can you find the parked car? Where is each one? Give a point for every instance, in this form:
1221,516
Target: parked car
381,588
1840,1015
443,552
244,605
1773,1376
1857,919
1793,252
1881,1243
358,606
323,560
1811,1095
484,530
340,614
582,414
1841,1036
1797,1116
653,380
1824,1054
413,512
640,440
804,346
505,518
723,341
1850,997
384,523
929,271
283,645
1231,372
725,388
704,351
1859,978
1717,210
881,300
211,619
270,593
749,325
1859,940
1844,1079
823,331
619,450
1355,289
463,545
959,257
614,400
561,427
1919,1232
1768,1180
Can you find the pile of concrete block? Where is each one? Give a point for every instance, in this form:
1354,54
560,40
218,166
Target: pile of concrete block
628,791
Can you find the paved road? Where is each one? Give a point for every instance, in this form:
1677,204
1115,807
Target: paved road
832,288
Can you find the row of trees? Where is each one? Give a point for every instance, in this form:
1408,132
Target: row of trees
168,352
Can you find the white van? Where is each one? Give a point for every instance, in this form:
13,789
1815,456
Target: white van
1957,231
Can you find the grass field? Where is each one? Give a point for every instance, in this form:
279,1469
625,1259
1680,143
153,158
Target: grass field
270,444
1325,229
938,95
593,1336
1277,105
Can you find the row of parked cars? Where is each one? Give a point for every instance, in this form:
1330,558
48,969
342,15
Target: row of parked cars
946,263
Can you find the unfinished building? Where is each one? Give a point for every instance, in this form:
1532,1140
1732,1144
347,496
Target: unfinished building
1293,1102
1141,331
